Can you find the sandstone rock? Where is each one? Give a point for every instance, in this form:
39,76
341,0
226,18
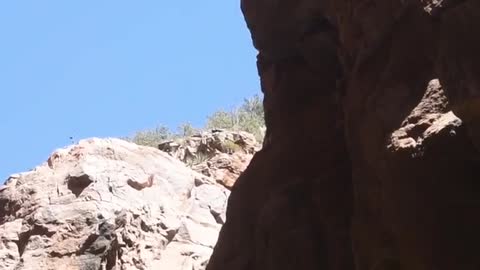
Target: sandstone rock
376,161
219,154
109,204
429,118
224,168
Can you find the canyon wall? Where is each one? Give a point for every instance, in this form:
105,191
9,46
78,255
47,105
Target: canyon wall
371,158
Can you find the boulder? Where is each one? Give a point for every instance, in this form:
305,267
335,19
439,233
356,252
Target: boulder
218,153
109,204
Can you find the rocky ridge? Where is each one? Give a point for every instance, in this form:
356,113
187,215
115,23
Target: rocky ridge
110,204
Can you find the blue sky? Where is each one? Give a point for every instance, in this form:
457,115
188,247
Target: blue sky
108,68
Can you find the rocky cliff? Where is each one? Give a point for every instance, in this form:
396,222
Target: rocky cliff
109,204
371,159
220,154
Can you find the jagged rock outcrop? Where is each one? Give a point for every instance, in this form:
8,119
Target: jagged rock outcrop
220,154
371,157
109,204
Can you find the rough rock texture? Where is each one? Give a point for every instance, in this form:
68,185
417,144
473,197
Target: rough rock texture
371,157
224,168
109,204
220,154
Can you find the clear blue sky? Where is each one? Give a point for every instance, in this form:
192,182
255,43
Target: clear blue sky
107,68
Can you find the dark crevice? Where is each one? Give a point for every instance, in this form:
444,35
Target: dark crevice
112,255
171,234
8,209
88,243
217,217
22,242
139,185
24,237
76,184
145,227
128,242
55,254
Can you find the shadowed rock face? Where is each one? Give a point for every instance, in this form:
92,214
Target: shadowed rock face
371,159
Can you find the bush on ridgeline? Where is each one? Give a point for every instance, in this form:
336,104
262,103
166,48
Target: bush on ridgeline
152,137
248,117
186,130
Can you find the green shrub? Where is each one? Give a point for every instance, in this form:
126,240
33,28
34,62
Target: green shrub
186,130
231,147
152,137
247,117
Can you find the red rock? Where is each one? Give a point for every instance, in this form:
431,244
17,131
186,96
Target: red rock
362,167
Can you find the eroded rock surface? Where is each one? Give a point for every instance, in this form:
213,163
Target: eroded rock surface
109,204
371,158
220,154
